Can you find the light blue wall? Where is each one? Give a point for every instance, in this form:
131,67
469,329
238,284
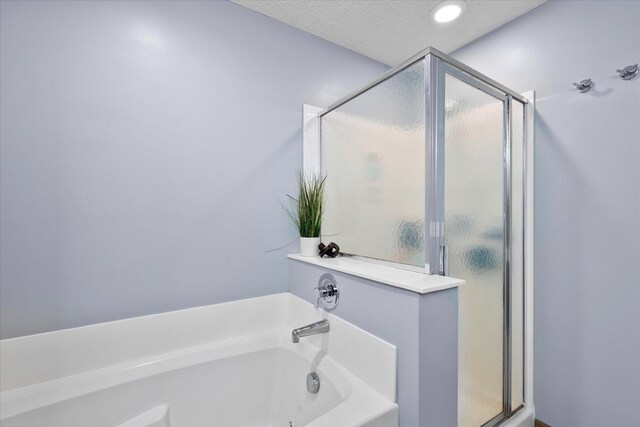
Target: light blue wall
144,149
438,374
587,236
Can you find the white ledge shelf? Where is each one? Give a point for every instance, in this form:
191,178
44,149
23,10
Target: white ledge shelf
411,281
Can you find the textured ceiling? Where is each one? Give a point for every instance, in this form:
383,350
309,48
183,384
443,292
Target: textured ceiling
391,31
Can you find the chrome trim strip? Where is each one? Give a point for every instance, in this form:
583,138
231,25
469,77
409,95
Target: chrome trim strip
415,58
495,420
525,169
474,82
434,164
386,76
518,409
507,256
440,162
477,74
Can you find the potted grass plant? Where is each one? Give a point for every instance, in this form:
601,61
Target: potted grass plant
306,211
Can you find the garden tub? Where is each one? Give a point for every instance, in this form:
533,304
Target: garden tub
226,365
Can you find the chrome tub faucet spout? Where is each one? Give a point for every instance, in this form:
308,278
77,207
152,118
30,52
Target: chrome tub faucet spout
311,329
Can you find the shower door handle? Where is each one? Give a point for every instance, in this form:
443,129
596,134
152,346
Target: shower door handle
444,260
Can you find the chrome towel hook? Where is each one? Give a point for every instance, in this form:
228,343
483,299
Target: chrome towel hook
629,72
585,85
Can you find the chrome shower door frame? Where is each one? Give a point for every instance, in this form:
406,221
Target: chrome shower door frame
436,66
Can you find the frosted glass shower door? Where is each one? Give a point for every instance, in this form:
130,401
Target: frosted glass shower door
474,207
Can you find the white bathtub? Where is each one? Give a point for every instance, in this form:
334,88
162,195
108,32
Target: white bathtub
227,365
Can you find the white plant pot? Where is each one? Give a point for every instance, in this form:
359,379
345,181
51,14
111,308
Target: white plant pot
309,246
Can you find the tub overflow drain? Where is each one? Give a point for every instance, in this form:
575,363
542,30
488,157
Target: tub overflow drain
292,422
313,383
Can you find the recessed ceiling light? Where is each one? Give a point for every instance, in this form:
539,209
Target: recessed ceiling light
448,10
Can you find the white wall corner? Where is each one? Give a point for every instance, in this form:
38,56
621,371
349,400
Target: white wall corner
310,139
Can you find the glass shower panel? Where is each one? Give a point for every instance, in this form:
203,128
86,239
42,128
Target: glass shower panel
517,254
474,237
373,154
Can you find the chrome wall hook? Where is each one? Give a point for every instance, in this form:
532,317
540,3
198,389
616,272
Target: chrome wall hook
629,72
585,85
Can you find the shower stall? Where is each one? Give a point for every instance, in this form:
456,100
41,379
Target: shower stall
427,171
